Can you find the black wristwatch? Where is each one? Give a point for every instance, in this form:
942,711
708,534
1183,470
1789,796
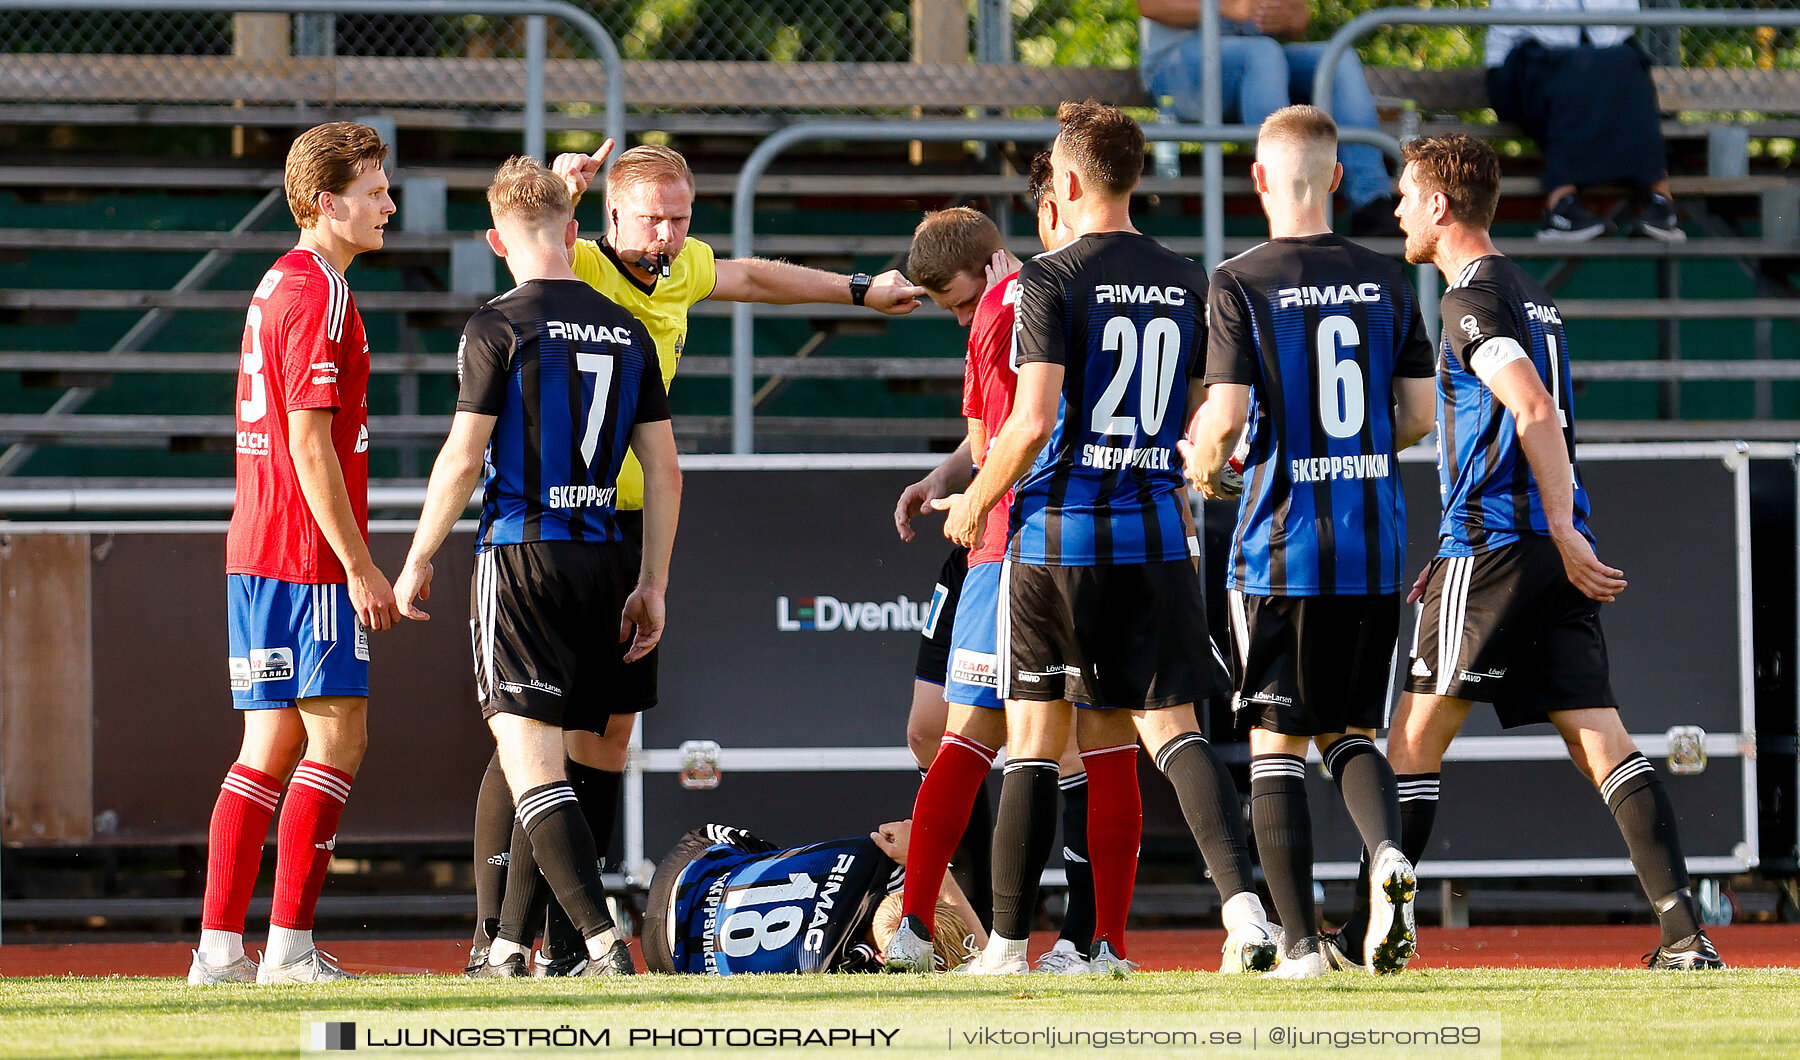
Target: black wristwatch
859,287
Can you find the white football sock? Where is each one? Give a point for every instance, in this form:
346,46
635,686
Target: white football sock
1243,910
502,949
219,948
1002,950
601,944
287,945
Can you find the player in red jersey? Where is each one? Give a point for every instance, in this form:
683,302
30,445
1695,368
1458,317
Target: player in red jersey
303,589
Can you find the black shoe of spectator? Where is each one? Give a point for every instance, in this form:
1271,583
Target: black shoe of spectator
1569,221
1658,220
1374,220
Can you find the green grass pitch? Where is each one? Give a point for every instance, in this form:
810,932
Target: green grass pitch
1634,1014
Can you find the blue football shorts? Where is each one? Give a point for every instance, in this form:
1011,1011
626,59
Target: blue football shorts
291,641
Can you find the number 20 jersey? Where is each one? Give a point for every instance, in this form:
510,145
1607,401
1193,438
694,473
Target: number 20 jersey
1121,313
1318,328
742,907
303,348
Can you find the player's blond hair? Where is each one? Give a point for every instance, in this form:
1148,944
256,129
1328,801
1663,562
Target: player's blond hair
327,158
525,192
951,242
1298,144
949,936
648,164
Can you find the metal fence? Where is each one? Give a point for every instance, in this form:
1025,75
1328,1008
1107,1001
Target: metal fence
1035,32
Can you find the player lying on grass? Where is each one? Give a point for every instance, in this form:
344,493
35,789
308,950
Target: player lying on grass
724,902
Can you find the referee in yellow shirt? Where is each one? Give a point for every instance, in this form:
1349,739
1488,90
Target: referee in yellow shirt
646,263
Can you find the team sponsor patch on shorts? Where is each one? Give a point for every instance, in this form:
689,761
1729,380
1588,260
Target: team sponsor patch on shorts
362,642
975,668
271,664
542,686
240,673
1270,699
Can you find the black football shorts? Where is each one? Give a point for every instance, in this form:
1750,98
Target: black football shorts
546,631
1506,627
934,640
1120,636
1311,665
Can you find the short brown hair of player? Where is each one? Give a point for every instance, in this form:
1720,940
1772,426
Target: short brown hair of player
1037,184
525,192
327,158
648,164
1103,144
950,242
1465,170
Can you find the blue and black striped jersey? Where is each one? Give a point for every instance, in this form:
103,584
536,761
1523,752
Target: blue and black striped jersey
1493,313
742,905
1121,314
568,373
1318,328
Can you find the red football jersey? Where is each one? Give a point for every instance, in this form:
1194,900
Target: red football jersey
988,385
304,348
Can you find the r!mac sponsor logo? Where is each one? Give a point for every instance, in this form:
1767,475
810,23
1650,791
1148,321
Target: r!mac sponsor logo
824,614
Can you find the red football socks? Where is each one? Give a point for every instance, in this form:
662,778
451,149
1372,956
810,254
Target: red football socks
940,814
305,840
234,846
1115,827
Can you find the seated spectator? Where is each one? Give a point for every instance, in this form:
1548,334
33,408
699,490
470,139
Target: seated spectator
724,902
1584,94
1258,76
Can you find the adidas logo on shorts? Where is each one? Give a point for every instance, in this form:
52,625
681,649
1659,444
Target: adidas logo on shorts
1420,669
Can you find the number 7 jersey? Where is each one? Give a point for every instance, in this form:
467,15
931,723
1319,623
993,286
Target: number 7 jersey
303,348
1318,328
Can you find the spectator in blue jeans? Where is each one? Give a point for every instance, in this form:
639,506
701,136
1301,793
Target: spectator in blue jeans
1258,76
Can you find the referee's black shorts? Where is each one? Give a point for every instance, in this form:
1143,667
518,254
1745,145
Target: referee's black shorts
637,679
1120,636
1312,665
545,631
1507,627
934,640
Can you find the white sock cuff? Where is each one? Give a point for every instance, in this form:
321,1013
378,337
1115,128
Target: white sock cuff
1242,910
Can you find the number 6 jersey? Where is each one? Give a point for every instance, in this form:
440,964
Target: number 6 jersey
303,349
1318,328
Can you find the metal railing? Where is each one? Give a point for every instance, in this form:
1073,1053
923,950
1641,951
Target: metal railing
535,12
1363,24
743,208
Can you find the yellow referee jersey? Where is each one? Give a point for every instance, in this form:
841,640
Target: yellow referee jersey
662,306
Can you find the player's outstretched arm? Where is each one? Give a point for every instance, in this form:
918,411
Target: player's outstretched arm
578,170
1210,437
453,479
784,283
322,483
941,481
1518,387
1016,448
642,621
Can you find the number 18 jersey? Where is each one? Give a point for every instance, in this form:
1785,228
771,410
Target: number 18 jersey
1122,314
1318,328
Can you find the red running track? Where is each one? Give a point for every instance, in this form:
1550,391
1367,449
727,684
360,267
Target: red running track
1743,946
